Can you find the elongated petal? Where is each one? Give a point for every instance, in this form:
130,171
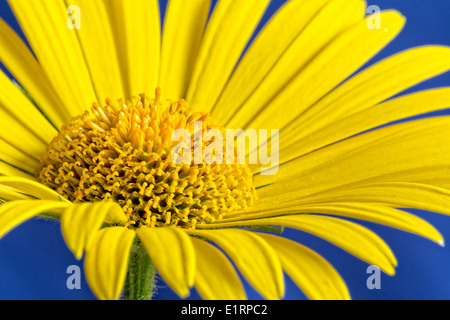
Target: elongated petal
137,38
10,154
390,154
173,254
8,170
184,25
57,49
19,60
32,188
343,56
20,118
311,272
16,212
373,116
392,194
215,277
356,239
273,41
80,223
97,42
228,31
301,55
361,209
257,261
106,261
8,194
369,87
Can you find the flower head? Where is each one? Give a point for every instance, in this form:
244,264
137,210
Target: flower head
98,151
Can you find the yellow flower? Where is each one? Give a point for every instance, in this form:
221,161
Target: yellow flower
106,171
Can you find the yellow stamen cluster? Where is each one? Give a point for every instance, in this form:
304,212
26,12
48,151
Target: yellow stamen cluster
122,153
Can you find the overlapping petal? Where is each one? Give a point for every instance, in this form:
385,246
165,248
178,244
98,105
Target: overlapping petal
80,223
173,254
106,261
14,213
293,61
256,260
312,273
214,271
352,237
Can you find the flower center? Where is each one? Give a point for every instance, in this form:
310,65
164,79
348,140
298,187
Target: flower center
122,153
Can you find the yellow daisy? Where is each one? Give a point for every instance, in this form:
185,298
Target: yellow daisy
87,140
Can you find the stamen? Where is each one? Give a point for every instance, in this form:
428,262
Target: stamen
122,152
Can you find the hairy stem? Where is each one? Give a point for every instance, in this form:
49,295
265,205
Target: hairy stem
141,274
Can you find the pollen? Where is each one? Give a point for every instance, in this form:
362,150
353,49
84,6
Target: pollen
121,152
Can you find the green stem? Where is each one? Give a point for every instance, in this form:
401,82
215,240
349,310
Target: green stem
141,274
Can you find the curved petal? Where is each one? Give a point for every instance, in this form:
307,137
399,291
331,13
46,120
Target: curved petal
391,194
10,154
274,40
257,261
356,239
32,188
343,56
16,212
173,254
312,273
330,23
19,60
8,170
390,154
184,25
20,118
106,261
228,31
80,223
371,86
97,42
371,117
360,209
58,51
215,277
137,38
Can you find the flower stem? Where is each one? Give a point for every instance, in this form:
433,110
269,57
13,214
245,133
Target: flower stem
141,274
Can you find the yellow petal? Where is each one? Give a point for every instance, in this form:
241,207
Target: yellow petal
80,223
229,29
17,158
361,209
58,51
16,212
173,254
311,272
349,124
8,170
16,56
392,194
106,261
343,56
215,277
273,42
137,35
356,239
257,261
8,194
19,117
183,31
270,65
97,43
374,85
389,154
32,188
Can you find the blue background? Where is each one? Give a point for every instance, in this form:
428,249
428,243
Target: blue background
34,257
